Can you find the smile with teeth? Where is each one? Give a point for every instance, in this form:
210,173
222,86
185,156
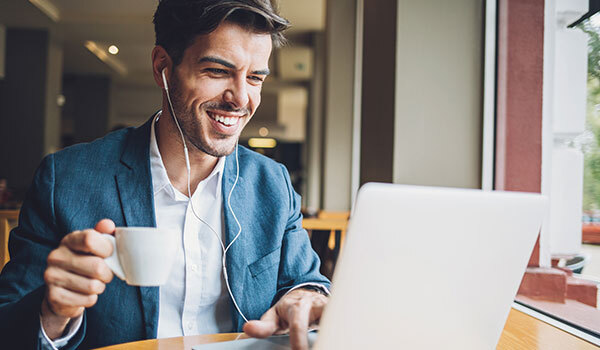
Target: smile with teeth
223,119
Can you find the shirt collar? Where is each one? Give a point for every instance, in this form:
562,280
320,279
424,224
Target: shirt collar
160,179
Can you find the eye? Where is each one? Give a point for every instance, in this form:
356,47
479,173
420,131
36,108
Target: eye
256,78
217,71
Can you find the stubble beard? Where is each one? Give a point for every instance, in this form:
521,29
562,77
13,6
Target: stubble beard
192,125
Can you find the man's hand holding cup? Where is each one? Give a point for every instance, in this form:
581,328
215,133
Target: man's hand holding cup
79,269
76,274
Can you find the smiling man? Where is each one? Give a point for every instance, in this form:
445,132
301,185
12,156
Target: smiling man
182,169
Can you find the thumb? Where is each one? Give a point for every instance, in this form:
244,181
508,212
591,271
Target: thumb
105,226
267,326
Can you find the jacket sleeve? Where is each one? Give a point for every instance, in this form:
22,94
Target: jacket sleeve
22,285
299,264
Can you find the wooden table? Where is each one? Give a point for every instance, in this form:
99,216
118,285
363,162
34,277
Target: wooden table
520,332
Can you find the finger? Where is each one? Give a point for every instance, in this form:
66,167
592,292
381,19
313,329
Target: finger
105,226
316,311
265,327
88,241
73,282
85,265
298,315
66,303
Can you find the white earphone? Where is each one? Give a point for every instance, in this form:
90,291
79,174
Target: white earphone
187,163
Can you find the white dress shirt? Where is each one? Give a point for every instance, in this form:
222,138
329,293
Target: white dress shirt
195,299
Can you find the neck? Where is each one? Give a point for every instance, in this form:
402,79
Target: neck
170,147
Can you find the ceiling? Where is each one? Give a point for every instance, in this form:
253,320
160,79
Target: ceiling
126,24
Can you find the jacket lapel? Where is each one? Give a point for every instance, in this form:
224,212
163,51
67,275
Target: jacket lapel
134,183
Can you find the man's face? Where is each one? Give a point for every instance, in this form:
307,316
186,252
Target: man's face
216,88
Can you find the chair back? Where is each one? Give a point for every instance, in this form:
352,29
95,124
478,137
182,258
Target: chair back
341,215
8,219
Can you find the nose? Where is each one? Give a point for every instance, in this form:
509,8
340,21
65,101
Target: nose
237,94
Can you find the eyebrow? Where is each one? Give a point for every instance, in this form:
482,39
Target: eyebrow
230,65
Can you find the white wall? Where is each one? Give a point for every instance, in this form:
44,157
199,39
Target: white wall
566,196
565,94
291,113
339,102
439,93
314,136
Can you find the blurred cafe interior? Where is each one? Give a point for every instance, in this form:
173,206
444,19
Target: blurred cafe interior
478,94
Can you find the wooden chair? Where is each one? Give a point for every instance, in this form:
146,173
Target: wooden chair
331,225
329,221
342,215
7,220
328,248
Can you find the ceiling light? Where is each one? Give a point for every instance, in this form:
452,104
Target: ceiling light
111,61
256,142
113,49
60,100
47,8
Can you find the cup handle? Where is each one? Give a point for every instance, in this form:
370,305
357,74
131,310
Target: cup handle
113,260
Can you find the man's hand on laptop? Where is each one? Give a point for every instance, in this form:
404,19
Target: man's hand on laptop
295,313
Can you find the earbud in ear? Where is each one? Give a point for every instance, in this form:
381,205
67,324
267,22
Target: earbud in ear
166,86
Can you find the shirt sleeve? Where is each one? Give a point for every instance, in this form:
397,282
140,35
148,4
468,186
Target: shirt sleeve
47,344
309,285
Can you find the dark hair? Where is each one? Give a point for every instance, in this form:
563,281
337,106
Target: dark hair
178,22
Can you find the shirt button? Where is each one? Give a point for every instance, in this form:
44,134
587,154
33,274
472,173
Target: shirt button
194,267
190,325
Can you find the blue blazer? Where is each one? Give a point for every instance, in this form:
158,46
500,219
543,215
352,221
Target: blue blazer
110,178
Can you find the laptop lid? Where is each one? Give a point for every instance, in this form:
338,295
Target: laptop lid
427,267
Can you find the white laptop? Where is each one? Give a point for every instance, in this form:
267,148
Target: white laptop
424,268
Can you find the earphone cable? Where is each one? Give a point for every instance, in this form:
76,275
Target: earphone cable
187,161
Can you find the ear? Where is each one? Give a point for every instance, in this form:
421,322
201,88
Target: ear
161,60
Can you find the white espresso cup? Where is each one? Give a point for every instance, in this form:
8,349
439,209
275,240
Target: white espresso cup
142,256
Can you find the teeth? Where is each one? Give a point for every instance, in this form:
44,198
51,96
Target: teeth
225,120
